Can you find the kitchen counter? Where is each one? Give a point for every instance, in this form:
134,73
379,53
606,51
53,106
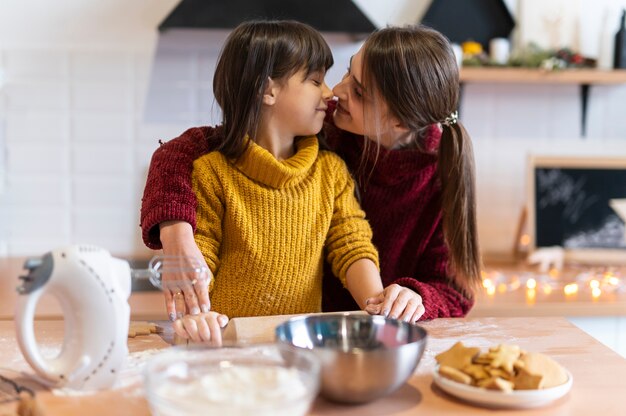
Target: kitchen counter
597,371
150,305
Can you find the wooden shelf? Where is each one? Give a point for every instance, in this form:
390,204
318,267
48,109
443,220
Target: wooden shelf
540,76
584,78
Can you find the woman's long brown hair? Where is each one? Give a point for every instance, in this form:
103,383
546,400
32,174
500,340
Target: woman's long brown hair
414,72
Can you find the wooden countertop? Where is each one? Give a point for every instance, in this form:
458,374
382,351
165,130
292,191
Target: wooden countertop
150,305
597,371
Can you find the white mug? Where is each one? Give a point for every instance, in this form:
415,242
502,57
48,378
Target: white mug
499,49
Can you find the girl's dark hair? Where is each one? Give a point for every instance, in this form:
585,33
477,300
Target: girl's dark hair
414,71
254,52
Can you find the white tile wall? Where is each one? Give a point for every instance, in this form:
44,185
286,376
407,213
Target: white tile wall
37,126
36,191
104,66
78,127
37,159
104,159
105,96
106,226
41,64
34,224
95,191
31,95
98,127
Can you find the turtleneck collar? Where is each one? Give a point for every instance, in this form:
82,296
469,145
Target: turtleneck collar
260,165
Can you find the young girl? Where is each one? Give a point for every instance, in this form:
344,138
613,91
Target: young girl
270,203
396,128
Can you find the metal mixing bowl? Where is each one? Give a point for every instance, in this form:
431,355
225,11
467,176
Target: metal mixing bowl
363,357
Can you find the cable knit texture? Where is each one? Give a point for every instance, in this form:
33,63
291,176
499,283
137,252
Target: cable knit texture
401,197
401,194
263,225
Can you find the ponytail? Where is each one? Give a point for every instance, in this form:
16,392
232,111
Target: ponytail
415,72
458,201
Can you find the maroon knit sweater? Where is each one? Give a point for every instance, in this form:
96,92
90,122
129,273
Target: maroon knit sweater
401,198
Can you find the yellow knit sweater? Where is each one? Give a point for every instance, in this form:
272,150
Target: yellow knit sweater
264,227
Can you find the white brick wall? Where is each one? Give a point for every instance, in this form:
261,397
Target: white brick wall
78,127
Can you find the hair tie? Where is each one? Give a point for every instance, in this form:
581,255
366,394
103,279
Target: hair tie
451,119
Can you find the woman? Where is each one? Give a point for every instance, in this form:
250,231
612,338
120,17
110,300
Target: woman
395,126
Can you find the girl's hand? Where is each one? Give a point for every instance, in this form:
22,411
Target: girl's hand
177,240
205,327
397,302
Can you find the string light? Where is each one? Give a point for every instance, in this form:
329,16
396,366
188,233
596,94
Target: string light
593,282
570,289
596,292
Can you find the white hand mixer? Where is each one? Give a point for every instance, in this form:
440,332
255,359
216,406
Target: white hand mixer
92,288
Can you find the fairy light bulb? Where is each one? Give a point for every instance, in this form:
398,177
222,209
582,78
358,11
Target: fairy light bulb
531,283
487,283
547,289
515,283
570,289
594,284
596,292
491,290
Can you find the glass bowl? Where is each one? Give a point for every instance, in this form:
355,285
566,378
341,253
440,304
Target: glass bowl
261,380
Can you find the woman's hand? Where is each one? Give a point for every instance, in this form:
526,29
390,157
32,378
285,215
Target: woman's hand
397,302
205,327
178,242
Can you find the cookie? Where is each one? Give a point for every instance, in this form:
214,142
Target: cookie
498,372
457,357
504,356
142,328
455,375
541,365
476,371
525,381
497,383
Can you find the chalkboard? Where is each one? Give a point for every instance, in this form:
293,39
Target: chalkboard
578,204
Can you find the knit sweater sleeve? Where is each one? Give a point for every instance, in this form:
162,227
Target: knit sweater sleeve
168,194
208,190
349,237
440,296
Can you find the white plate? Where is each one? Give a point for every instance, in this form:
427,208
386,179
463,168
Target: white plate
493,398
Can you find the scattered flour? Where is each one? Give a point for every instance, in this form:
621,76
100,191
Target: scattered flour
131,376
